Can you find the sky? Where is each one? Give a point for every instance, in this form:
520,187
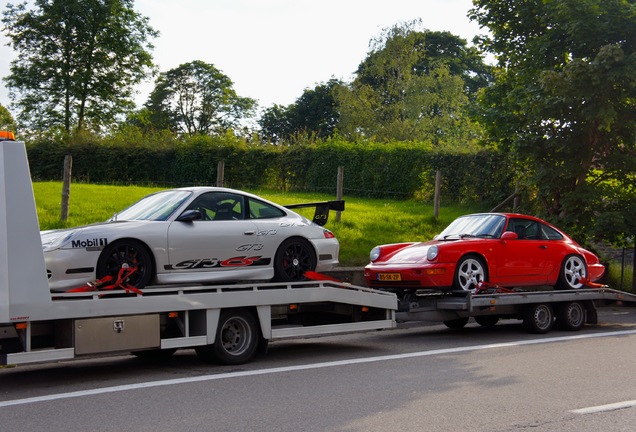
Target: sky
272,50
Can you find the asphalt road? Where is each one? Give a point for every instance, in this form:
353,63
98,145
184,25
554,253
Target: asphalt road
418,377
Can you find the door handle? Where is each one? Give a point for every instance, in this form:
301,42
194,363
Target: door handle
543,247
249,233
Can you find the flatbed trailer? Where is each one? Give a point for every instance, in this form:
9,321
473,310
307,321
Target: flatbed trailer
223,323
539,309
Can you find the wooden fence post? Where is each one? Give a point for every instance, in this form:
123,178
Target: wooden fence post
220,173
339,189
437,198
66,186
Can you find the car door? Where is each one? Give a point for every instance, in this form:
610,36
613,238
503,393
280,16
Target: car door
523,260
271,224
223,239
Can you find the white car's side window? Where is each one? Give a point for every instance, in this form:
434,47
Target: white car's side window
261,210
219,206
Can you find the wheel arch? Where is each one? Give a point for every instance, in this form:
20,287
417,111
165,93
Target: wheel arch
311,248
151,253
301,238
478,255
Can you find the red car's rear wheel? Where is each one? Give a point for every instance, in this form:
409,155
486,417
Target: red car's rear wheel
573,272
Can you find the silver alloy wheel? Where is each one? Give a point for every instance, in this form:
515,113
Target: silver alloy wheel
470,272
574,271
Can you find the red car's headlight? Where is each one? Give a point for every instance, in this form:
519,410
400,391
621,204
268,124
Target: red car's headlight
432,253
374,254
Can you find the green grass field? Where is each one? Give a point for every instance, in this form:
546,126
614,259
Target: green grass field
364,224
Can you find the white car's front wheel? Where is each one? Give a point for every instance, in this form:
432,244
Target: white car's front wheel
129,254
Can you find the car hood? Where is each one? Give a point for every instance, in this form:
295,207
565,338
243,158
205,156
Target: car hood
416,253
59,238
412,254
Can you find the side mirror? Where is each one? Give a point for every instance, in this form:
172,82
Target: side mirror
509,235
189,216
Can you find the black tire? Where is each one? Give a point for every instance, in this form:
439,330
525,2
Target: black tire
237,339
126,252
570,316
538,318
456,323
469,272
294,257
487,320
573,270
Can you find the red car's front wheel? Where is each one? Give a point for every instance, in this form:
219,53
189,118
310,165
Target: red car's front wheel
469,272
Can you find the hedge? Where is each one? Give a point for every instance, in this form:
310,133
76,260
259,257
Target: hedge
398,170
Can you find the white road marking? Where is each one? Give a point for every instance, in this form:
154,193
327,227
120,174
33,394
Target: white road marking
603,408
128,387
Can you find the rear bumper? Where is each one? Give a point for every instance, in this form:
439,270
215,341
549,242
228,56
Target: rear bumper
595,271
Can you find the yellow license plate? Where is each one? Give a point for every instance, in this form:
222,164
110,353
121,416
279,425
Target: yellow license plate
389,277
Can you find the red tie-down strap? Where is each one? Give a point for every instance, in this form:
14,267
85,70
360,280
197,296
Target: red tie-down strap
106,283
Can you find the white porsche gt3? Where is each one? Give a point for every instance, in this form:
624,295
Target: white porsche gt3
194,235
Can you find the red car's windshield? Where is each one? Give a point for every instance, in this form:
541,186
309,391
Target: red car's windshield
478,225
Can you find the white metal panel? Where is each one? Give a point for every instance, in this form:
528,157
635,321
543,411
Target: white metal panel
39,356
287,332
184,342
23,282
265,320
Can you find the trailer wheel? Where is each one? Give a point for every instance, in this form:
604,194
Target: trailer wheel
487,320
456,323
538,318
570,316
237,339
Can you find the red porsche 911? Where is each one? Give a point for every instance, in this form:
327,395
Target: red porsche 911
509,250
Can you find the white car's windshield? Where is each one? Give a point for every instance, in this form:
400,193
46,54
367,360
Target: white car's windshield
155,207
478,225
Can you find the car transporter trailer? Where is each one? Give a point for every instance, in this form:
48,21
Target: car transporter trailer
223,323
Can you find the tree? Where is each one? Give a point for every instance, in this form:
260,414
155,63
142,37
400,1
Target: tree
6,120
78,61
314,113
407,89
197,98
563,105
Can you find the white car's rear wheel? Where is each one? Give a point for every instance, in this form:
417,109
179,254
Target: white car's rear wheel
294,257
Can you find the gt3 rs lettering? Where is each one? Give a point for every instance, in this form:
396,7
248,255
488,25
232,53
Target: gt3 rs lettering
240,261
206,263
267,232
197,263
89,243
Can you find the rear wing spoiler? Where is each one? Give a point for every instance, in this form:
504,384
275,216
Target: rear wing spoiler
321,215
